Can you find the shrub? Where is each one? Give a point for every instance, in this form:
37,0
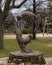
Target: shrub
27,31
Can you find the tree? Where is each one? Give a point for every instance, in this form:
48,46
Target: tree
4,14
35,5
1,28
34,24
49,8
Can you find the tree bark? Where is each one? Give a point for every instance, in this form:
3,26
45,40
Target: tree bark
1,39
34,24
1,30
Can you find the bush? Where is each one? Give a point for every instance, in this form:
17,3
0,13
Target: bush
38,31
27,31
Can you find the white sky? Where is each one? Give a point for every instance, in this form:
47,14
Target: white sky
26,4
23,7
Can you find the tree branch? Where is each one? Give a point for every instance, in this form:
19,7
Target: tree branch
13,2
40,3
0,4
6,8
0,1
13,6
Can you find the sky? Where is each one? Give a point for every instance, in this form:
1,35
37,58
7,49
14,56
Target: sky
26,5
29,2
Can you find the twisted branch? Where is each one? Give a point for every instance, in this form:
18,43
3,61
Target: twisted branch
13,6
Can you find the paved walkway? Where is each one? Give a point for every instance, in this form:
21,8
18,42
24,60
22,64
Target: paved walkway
25,35
3,61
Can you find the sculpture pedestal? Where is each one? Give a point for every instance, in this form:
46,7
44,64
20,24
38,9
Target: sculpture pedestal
32,58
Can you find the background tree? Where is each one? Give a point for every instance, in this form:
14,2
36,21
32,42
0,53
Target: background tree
4,14
49,10
1,27
34,24
33,7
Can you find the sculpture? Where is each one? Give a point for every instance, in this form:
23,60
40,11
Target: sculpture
26,56
21,41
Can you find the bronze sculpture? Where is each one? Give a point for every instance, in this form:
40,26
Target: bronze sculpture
21,41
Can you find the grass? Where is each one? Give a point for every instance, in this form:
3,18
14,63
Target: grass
40,44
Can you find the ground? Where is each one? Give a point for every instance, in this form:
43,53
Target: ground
4,61
48,59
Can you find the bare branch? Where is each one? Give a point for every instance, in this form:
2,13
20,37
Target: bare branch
40,3
13,6
0,3
13,2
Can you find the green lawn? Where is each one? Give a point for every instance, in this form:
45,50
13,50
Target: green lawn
40,44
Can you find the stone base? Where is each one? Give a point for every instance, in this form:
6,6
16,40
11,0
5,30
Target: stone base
33,58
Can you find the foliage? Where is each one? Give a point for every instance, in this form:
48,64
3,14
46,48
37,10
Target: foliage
27,31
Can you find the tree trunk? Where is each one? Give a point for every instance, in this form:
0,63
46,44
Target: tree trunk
1,39
34,24
3,16
1,30
34,31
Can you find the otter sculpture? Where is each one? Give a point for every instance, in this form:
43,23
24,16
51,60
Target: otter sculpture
21,41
